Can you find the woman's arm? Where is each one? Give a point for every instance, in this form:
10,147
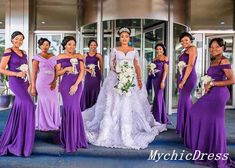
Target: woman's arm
192,51
192,58
34,76
3,65
228,73
81,73
100,58
164,73
53,83
60,70
74,87
86,69
138,72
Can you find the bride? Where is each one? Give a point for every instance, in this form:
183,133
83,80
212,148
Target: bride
122,121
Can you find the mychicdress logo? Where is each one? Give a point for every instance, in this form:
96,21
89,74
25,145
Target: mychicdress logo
155,155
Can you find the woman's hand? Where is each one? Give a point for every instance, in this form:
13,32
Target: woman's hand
139,83
208,86
162,85
33,91
29,88
20,74
69,69
181,85
52,85
88,70
73,89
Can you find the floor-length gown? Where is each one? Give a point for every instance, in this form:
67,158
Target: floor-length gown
72,132
121,121
159,106
47,114
185,100
91,84
18,135
205,126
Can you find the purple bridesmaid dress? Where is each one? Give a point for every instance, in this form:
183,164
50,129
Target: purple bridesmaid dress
158,107
91,84
18,135
185,100
205,126
47,112
72,132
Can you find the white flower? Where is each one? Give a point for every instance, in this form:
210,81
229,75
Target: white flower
206,79
129,72
152,65
152,69
23,68
181,66
74,62
123,79
120,85
119,91
92,68
118,69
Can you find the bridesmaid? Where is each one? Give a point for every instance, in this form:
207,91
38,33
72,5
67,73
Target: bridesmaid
205,126
72,132
44,83
18,135
92,83
186,80
158,82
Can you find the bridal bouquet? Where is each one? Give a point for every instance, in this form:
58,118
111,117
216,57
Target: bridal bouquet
181,66
152,69
125,77
74,62
92,68
24,68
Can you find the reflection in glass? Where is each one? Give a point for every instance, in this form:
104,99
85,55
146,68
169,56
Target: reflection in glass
2,44
177,48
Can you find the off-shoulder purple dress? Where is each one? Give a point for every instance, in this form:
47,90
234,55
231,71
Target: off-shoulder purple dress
18,135
72,132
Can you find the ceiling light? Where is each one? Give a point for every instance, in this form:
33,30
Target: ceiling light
222,23
43,22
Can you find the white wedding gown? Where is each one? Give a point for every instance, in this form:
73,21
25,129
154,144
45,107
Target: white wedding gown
121,121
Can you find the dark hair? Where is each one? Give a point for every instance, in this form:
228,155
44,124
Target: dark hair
42,40
66,40
128,30
219,41
186,34
163,47
16,33
89,43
